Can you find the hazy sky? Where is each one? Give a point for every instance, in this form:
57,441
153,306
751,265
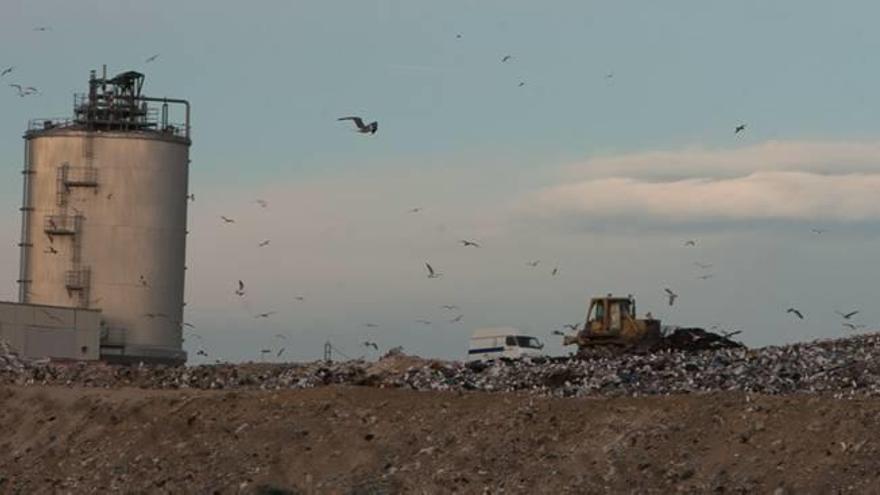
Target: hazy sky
618,147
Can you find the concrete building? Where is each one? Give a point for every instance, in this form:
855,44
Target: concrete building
103,237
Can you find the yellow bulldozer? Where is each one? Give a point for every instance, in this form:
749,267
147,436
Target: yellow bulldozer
612,322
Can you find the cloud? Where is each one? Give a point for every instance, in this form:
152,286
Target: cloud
827,157
761,195
777,180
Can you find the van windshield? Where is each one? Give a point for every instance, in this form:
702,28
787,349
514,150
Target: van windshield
529,342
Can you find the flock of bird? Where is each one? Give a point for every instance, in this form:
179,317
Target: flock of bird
371,128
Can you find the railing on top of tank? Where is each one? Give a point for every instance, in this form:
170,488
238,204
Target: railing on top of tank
36,125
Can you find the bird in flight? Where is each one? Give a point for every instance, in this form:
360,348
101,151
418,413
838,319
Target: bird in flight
152,58
262,202
573,328
469,243
280,336
740,128
265,315
456,319
227,219
852,326
370,128
374,345
818,231
42,28
458,36
795,312
51,250
300,298
521,84
280,352
23,91
506,58
264,243
555,271
240,291
415,210
371,325
191,197
7,70
558,332
672,295
609,75
847,316
449,306
706,276
423,322
431,272
690,242
704,266
190,325
533,263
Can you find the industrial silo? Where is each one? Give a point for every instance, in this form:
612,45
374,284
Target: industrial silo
104,216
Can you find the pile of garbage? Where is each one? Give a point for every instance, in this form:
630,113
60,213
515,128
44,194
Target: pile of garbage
841,368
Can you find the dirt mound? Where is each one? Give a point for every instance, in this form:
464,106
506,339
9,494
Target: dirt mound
365,440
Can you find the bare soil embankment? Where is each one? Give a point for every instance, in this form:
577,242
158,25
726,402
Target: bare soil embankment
365,440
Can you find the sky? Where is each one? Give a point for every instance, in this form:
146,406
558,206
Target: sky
600,147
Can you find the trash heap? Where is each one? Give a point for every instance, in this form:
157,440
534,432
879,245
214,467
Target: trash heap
841,368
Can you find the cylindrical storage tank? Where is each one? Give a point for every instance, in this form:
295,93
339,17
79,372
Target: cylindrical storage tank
104,227
107,230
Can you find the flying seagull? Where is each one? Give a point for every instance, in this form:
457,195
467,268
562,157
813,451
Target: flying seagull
847,315
280,352
265,315
818,231
533,263
558,332
704,266
262,202
42,28
706,276
6,71
573,328
672,295
227,219
371,325
264,243
555,271
795,312
423,322
431,272
415,210
374,345
456,319
370,128
521,84
280,336
449,306
152,58
469,243
240,291
690,242
852,326
300,298
739,128
506,58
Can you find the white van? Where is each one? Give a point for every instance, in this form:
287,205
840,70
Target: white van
502,342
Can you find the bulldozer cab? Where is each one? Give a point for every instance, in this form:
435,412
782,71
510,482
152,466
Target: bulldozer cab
607,316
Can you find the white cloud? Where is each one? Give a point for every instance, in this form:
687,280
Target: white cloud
813,156
761,195
792,180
